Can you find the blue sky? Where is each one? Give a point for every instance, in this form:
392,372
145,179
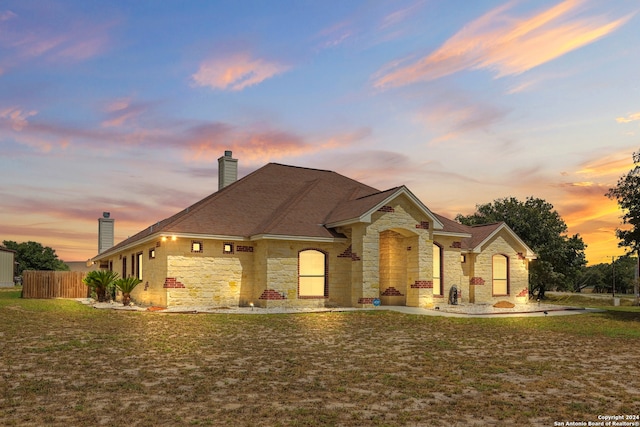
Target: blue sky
125,106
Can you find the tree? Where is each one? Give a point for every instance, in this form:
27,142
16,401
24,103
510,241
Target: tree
627,194
560,258
34,256
603,277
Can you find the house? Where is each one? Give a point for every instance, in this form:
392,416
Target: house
7,267
299,237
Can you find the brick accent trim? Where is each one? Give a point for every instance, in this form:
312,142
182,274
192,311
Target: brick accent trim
387,209
392,292
271,294
477,281
172,282
523,293
424,225
241,248
346,253
365,300
422,284
456,245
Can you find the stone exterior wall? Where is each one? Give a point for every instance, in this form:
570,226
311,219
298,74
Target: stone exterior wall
393,268
210,277
154,272
453,272
277,284
390,258
483,271
403,218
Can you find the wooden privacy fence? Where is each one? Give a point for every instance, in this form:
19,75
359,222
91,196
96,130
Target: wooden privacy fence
53,284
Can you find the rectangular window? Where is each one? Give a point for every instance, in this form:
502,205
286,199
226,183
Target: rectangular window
124,266
196,247
500,275
227,248
312,273
437,270
139,266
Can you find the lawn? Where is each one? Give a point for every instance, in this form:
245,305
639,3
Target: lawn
66,364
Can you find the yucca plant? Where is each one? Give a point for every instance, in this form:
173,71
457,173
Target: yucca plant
126,285
101,282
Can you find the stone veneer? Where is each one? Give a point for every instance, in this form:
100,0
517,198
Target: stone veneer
389,258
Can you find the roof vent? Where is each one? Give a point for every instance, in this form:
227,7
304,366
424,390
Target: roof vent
227,170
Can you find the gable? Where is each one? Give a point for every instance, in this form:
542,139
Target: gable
362,209
507,235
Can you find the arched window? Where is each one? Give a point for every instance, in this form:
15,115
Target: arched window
500,275
437,269
312,273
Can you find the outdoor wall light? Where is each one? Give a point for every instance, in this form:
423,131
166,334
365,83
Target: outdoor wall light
251,305
173,238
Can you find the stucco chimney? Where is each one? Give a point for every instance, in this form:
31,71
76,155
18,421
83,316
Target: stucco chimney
105,232
227,170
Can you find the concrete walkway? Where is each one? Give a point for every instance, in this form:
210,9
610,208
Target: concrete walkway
472,311
555,311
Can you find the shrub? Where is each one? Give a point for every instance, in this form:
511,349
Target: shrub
101,282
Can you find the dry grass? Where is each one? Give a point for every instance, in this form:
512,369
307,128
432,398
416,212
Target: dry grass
67,364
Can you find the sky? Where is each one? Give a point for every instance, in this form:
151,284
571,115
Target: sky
125,106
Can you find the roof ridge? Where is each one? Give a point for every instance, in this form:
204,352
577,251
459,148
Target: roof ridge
376,193
487,224
283,209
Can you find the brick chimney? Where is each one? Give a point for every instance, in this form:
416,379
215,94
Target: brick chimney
227,170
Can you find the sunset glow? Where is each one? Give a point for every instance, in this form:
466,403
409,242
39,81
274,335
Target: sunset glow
126,106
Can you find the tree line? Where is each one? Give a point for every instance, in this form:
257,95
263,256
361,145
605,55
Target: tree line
561,262
34,256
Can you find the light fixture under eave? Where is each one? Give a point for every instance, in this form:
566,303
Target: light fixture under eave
174,238
164,238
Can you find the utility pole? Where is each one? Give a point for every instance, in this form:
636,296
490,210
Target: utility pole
613,276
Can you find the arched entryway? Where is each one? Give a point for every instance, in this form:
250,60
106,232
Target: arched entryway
398,264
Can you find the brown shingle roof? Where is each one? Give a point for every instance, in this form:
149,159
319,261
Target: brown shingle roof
478,232
275,199
287,201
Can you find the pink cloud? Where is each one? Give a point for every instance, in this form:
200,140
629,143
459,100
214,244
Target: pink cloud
122,111
236,72
398,17
24,41
456,119
504,44
7,15
16,117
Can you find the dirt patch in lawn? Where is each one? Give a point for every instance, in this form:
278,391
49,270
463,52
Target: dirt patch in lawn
66,364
